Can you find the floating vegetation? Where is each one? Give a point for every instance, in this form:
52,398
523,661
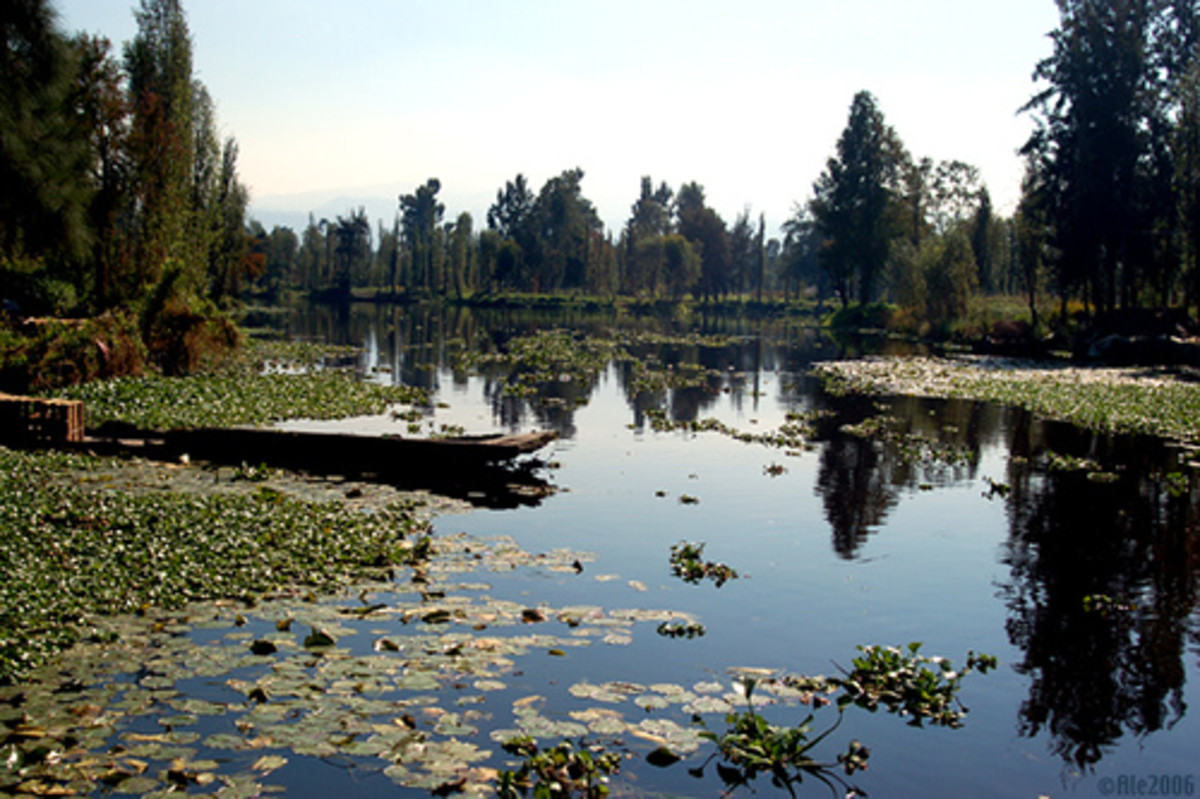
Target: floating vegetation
793,434
679,629
900,680
71,552
300,677
1057,462
1105,605
911,448
544,358
270,382
907,683
1152,401
223,400
687,563
752,746
996,489
561,771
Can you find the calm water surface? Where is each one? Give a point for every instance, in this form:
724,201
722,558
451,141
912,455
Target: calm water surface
853,542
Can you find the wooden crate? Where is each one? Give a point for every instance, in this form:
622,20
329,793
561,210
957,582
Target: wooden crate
41,421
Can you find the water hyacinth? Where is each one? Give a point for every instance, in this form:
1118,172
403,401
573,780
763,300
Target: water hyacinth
1128,400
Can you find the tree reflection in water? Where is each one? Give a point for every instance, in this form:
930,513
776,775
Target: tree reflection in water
1112,663
1097,669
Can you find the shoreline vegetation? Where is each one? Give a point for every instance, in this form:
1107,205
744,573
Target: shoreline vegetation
1151,400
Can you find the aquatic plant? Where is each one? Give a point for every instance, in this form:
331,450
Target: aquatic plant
223,400
1150,401
688,564
752,746
793,434
900,679
907,683
560,772
70,552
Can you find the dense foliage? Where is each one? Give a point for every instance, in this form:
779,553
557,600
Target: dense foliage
115,191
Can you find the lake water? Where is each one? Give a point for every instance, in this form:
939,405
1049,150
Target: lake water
1082,580
1071,557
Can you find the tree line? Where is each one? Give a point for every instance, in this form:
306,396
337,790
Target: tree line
117,193
1109,215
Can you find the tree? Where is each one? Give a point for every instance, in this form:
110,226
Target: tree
1097,122
799,261
950,277
352,250
649,221
651,214
462,255
743,261
421,219
158,62
681,265
706,231
982,230
955,195
387,256
852,199
230,259
760,249
103,109
283,247
1186,153
310,261
45,191
1032,226
565,222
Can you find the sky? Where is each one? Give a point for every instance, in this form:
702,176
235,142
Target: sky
337,104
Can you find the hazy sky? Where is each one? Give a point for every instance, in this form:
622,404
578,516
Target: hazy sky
359,98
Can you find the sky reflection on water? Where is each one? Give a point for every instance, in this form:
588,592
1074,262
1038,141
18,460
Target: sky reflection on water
855,542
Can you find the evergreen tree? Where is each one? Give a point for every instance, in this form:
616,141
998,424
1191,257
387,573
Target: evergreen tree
162,144
45,191
707,233
565,223
853,199
743,263
1102,122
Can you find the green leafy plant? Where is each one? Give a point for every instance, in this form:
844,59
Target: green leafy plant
902,680
753,746
562,771
687,563
908,683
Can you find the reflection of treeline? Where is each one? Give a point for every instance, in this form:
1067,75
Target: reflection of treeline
1102,587
116,193
869,456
